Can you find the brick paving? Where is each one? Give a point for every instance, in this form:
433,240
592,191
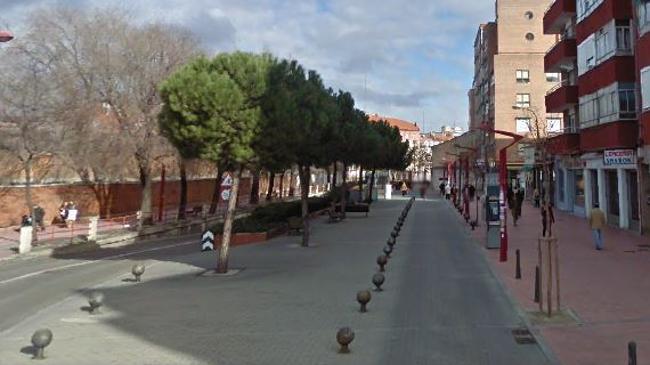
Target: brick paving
608,291
441,304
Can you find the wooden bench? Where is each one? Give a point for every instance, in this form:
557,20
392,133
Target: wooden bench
295,225
358,208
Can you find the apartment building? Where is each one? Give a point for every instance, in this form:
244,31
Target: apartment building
603,53
509,86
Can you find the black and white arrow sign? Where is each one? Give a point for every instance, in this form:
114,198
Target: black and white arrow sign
207,241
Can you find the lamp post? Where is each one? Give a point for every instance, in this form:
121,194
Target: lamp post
503,181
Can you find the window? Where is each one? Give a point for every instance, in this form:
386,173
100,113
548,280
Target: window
529,15
601,44
522,125
586,7
579,188
523,100
553,125
645,88
523,76
530,36
553,77
586,55
623,38
627,104
643,15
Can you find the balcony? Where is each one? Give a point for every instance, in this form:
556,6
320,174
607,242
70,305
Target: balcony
557,15
561,98
562,57
567,143
619,134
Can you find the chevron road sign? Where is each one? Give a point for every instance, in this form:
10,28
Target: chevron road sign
207,241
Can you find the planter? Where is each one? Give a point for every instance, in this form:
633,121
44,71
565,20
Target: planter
247,238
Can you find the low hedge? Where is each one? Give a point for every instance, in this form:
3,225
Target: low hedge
274,215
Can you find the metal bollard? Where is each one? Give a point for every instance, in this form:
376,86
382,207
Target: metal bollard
537,288
631,353
41,339
518,266
344,337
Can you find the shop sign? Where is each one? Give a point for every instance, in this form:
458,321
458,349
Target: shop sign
619,157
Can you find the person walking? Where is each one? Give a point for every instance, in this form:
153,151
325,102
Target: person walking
448,191
597,221
536,197
442,189
404,188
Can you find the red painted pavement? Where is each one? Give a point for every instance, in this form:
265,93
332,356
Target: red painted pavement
608,290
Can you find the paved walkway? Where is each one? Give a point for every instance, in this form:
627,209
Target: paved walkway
441,304
608,291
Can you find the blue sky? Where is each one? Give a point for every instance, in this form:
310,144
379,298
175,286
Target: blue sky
400,59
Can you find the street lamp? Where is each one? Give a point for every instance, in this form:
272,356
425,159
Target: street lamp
503,181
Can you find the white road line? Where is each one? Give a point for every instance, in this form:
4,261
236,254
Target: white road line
60,268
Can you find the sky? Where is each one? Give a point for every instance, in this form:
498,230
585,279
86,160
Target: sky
411,60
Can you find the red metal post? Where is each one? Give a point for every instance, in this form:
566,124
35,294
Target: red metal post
503,180
161,197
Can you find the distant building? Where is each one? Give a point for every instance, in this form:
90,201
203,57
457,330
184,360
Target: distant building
410,132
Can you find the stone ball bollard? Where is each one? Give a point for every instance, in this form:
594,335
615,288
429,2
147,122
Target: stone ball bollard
382,260
393,234
378,280
387,251
40,340
137,270
391,242
344,337
363,297
96,300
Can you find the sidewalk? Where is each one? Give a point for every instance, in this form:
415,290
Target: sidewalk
608,291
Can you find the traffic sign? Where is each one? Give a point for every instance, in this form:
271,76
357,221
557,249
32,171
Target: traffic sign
227,181
225,195
207,241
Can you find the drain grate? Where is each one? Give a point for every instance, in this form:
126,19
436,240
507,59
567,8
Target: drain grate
523,336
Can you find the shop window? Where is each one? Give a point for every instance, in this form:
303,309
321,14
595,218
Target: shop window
595,198
612,193
633,194
560,184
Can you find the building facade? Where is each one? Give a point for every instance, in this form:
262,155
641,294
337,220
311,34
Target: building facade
603,54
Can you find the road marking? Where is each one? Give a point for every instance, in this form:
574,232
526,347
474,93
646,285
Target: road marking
84,263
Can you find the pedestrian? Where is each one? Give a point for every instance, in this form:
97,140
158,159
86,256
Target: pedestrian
547,219
25,221
404,188
472,192
448,191
597,221
442,189
39,216
536,197
72,214
63,214
519,201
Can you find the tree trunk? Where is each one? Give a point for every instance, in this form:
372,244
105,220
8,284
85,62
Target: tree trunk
182,207
255,188
222,263
305,174
344,189
334,173
292,184
329,175
216,192
145,205
282,184
269,192
27,166
371,186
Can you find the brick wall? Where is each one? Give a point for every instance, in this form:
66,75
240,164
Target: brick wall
114,199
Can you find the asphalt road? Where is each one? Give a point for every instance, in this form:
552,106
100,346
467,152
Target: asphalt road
441,304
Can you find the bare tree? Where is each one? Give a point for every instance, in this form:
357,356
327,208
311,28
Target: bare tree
105,62
29,124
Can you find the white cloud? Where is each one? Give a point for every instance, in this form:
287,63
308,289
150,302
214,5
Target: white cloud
398,58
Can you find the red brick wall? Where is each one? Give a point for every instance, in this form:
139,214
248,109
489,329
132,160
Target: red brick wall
122,199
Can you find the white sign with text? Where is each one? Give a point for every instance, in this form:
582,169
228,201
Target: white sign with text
619,157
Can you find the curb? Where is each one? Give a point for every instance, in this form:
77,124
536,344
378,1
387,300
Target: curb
535,331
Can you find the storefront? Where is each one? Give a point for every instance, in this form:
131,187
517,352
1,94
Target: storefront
607,178
570,185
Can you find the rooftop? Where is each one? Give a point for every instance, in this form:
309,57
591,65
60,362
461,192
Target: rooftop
402,125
